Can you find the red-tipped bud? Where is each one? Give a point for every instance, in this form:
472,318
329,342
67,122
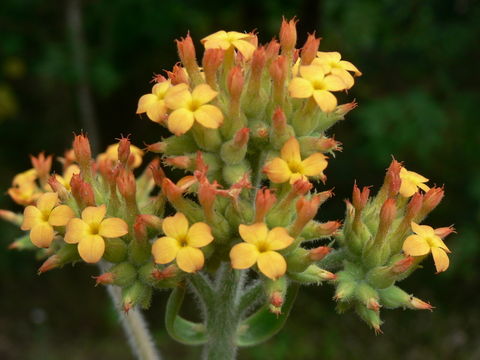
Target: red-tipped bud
258,61
431,199
271,51
140,229
42,164
344,109
388,213
124,151
309,50
169,272
82,191
186,51
83,153
11,217
157,173
360,198
180,162
373,304
288,34
402,265
328,228
157,78
419,304
319,253
279,121
443,232
127,186
414,206
58,187
276,299
178,75
241,137
326,144
278,70
51,263
171,191
104,279
261,132
235,83
392,181
301,187
212,59
159,147
307,209
264,201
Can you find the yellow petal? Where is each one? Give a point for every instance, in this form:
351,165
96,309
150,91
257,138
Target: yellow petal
277,170
203,94
209,116
145,102
77,229
199,235
422,230
235,35
312,73
243,256
297,176
347,65
278,239
347,79
175,226
190,259
314,164
325,100
31,216
407,188
438,242
291,151
218,44
335,83
41,235
61,215
178,97
331,56
272,264
253,233
221,34
156,112
47,201
93,215
415,245
91,248
415,177
160,89
180,121
244,47
113,227
165,249
300,88
441,259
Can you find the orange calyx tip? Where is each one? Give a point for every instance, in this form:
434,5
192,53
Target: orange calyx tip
51,263
104,279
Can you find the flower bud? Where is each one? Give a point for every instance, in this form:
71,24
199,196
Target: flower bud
442,232
288,35
235,81
212,59
136,294
104,279
319,253
431,199
271,51
234,151
180,162
83,154
344,109
82,192
127,187
264,201
275,291
66,254
58,188
186,52
178,75
281,131
123,274
309,50
313,275
371,317
257,66
11,217
307,209
42,164
391,184
278,72
115,250
360,198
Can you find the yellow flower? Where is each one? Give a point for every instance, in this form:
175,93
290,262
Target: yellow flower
112,154
225,40
192,106
182,243
41,218
332,63
424,242
259,248
411,182
290,166
89,232
154,104
313,82
24,190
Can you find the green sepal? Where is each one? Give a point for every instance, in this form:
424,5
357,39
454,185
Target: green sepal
115,250
262,325
181,330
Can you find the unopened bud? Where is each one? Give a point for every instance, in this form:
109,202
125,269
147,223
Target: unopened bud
235,83
443,232
136,294
307,209
309,50
186,52
115,250
104,279
66,254
178,75
11,217
271,51
157,173
42,164
419,304
124,151
431,199
278,72
319,253
180,162
58,188
127,186
402,265
83,153
313,275
264,201
234,151
360,198
344,109
82,191
288,35
212,59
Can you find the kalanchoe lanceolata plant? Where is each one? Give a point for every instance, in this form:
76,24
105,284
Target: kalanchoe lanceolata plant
249,125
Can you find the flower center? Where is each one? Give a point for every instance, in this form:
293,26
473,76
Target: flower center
295,167
94,228
319,85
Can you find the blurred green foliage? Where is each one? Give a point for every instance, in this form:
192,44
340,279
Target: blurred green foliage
417,102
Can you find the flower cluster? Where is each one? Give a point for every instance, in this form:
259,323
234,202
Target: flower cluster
250,128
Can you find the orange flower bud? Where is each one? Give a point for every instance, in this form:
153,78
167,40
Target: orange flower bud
235,82
344,109
178,75
11,217
42,165
419,304
402,265
279,121
127,186
51,263
288,35
326,144
319,253
431,199
264,201
158,147
360,198
83,153
104,279
309,50
58,187
212,59
413,208
443,232
328,228
124,151
168,272
307,209
271,51
186,51
180,162
388,213
276,299
157,173
82,191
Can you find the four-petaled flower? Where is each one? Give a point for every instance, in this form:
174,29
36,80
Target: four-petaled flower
411,182
89,232
260,247
182,243
192,106
290,166
424,242
41,218
24,190
154,104
226,40
313,82
332,63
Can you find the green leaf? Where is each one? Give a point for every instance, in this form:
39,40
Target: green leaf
180,329
262,325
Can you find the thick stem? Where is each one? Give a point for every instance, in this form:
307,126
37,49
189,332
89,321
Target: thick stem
222,318
134,326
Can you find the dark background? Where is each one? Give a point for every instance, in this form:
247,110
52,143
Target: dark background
418,101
